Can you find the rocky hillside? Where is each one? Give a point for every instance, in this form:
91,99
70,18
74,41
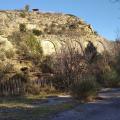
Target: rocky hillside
22,34
51,29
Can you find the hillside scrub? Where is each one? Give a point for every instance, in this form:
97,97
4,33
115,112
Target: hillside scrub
85,88
76,73
80,75
83,76
73,68
27,46
22,28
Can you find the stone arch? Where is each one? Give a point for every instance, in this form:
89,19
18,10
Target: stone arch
49,47
72,44
80,46
64,46
85,43
98,44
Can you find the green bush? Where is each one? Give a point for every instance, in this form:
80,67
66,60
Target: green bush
71,15
85,89
73,26
22,28
22,14
35,51
111,79
36,32
27,45
60,82
96,33
9,54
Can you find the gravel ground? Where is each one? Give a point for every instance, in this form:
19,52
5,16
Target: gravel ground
106,109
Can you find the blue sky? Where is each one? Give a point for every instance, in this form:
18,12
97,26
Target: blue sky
102,14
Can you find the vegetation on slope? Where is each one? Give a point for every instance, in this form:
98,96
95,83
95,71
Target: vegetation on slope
26,70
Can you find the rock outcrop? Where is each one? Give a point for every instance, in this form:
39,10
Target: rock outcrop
54,30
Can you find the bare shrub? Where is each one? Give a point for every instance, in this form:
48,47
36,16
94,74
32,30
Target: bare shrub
75,73
33,89
86,88
47,65
10,53
111,79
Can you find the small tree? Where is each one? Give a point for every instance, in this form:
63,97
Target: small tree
90,52
75,73
26,8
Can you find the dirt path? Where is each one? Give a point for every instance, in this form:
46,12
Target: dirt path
106,109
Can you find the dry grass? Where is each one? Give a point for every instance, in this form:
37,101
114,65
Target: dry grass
41,113
30,107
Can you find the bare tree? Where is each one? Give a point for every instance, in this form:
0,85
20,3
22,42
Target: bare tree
72,65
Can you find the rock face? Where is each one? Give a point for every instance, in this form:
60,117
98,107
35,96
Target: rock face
5,44
37,44
54,30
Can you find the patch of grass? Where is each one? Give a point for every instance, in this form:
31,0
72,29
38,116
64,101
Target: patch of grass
31,107
22,14
20,101
28,100
39,112
85,89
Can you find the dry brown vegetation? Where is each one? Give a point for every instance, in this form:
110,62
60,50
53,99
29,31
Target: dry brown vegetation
26,70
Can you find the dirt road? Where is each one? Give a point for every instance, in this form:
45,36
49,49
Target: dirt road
106,109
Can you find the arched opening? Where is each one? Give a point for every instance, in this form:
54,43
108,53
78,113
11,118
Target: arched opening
79,47
48,47
85,44
100,46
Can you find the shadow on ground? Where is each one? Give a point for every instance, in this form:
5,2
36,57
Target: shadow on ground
34,107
